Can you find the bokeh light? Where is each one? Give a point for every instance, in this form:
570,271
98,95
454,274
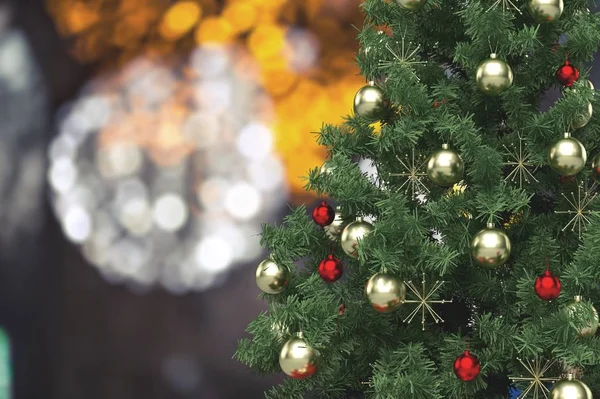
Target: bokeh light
300,52
179,19
163,171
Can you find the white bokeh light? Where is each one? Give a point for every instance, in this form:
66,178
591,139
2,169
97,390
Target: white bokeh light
214,254
169,212
136,216
62,174
255,141
242,201
267,174
214,96
119,160
164,171
77,224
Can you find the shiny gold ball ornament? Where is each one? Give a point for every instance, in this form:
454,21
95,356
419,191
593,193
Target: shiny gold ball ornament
334,230
577,309
546,10
445,167
490,247
567,156
270,277
570,388
584,117
411,4
352,234
297,358
385,292
493,76
588,83
369,103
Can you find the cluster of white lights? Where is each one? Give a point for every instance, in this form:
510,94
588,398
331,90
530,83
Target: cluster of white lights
163,173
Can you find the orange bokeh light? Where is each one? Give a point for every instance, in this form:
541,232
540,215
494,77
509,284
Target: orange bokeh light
302,99
80,18
267,41
242,16
214,30
179,19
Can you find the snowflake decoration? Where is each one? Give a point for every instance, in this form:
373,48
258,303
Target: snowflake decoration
536,382
506,4
413,173
579,210
521,160
404,54
424,301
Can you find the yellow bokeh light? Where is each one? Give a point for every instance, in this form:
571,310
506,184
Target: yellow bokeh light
267,41
241,16
179,19
279,82
214,30
303,97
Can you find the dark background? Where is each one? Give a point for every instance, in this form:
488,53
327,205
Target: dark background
75,336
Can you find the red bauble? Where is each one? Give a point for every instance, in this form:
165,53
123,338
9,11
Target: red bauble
331,269
305,373
547,286
567,74
323,214
466,366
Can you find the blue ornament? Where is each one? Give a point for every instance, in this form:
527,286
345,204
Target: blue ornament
514,393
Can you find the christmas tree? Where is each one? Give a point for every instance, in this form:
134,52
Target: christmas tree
468,266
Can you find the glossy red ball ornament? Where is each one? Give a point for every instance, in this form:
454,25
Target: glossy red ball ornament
547,286
323,214
567,74
331,269
466,366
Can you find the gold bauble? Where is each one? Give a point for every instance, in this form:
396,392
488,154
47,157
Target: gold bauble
369,103
445,167
352,234
546,10
334,230
578,309
493,76
584,117
297,358
567,156
490,247
596,167
385,292
411,4
270,277
588,83
570,388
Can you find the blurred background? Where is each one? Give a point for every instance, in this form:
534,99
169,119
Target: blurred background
142,144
